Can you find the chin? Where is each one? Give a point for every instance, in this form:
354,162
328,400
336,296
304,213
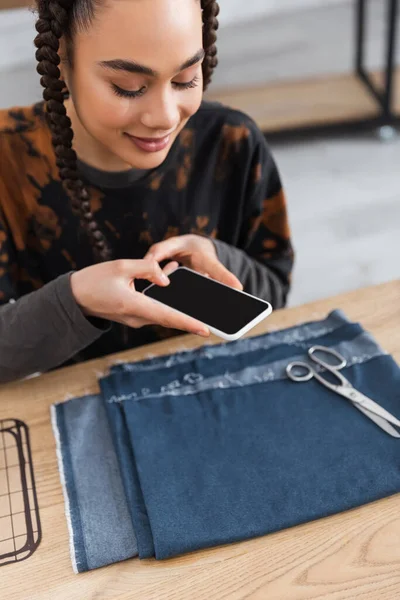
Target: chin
147,160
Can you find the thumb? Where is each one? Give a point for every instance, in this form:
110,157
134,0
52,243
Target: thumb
171,267
143,269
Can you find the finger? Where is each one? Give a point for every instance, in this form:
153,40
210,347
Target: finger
136,323
216,270
159,314
143,269
170,267
166,249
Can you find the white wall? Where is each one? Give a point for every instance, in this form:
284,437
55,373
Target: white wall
17,31
235,11
17,26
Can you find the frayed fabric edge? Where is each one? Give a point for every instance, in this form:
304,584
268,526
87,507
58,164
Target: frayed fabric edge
56,433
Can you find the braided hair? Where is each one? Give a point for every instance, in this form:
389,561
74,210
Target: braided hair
60,19
210,26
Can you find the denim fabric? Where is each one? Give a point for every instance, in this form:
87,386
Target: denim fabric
217,445
130,479
100,527
190,366
230,464
117,391
144,383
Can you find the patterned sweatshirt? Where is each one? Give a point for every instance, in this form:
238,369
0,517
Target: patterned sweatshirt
218,180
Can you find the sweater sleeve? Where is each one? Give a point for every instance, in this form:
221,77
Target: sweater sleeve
263,258
40,330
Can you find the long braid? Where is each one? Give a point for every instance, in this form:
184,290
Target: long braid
210,27
51,25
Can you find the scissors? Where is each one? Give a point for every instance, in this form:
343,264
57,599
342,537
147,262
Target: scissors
344,388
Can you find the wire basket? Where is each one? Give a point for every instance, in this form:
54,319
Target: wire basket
20,531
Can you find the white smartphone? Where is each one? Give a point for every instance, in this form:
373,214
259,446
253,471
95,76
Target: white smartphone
227,312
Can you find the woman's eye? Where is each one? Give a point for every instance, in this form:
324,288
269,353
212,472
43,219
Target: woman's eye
137,93
185,86
127,93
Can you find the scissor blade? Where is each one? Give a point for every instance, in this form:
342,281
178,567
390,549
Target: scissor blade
380,421
360,400
379,410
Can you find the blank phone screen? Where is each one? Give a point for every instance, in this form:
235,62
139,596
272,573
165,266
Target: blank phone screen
210,302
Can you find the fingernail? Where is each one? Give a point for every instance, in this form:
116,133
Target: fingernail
204,333
165,279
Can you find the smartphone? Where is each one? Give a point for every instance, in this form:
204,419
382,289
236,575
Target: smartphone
227,312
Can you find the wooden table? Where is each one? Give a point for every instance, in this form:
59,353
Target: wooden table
352,555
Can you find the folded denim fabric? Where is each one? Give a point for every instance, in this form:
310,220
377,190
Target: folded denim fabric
123,406
229,464
232,452
130,385
96,502
100,528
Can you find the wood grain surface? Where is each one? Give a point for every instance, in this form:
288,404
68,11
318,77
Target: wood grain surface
348,556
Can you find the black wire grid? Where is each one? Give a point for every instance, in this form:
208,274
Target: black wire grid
20,531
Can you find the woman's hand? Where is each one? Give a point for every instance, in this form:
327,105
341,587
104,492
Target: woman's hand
197,253
107,291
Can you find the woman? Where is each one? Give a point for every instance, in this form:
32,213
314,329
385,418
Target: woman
121,168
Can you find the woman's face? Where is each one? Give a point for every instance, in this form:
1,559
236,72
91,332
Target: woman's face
136,80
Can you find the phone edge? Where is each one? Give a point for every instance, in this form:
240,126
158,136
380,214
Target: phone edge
221,334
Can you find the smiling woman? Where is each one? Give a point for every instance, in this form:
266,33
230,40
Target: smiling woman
97,75
147,78
125,165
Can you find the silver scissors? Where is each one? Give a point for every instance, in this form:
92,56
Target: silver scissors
344,388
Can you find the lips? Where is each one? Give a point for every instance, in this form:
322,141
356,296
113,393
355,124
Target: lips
150,144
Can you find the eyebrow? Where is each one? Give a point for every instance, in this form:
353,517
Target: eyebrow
130,66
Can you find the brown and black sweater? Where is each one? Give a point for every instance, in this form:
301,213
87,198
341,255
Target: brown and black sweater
219,180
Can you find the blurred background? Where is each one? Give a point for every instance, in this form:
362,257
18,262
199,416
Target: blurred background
291,65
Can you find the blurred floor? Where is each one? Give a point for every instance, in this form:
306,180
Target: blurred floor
344,203
344,194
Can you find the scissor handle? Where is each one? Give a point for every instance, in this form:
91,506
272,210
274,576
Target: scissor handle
342,362
341,382
309,374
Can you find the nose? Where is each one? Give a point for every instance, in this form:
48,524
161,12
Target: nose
161,111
